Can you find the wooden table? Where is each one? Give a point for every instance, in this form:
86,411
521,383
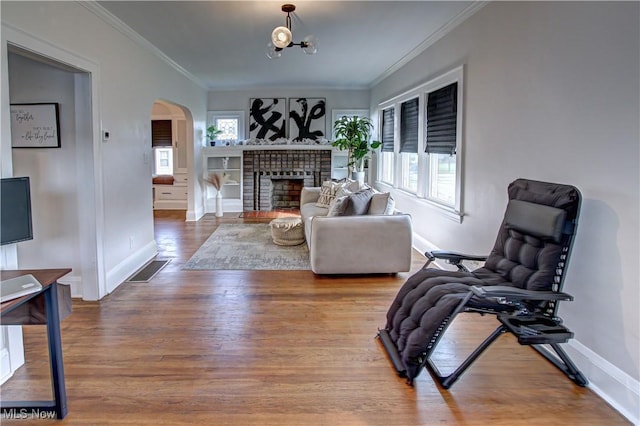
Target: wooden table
49,280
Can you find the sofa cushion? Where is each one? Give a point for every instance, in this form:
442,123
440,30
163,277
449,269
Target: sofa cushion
381,203
359,202
311,210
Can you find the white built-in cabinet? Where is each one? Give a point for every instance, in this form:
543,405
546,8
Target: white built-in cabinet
339,164
226,163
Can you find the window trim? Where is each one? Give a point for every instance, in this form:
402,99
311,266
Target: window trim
456,75
212,116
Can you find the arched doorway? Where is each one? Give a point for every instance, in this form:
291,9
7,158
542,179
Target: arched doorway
172,157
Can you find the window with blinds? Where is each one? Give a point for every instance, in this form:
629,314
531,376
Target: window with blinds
429,114
409,111
409,126
161,133
388,130
442,112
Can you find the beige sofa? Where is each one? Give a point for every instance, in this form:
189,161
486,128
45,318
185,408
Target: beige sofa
362,244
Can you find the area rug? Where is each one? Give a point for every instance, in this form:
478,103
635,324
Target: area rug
247,247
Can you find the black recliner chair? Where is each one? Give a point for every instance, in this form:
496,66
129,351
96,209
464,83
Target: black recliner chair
520,283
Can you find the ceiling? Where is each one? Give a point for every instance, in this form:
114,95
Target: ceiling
222,43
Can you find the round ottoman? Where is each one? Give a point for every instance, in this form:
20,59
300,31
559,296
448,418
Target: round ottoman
287,231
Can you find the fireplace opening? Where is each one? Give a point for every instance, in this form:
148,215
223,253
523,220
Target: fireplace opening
285,193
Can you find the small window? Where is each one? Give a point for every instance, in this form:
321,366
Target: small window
162,144
163,161
230,123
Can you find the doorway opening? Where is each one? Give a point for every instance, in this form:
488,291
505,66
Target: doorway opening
172,157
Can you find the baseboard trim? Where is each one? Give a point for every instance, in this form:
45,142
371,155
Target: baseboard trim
423,245
613,385
616,387
130,265
194,215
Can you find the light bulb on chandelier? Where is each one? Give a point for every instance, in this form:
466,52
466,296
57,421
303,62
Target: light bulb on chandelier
281,38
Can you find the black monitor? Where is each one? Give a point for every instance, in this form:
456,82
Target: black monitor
15,210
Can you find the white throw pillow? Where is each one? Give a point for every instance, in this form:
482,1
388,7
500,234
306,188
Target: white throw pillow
381,203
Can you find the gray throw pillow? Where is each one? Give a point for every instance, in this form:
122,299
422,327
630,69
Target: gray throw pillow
338,206
359,202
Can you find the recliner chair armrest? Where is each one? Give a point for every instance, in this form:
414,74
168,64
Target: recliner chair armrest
514,293
453,257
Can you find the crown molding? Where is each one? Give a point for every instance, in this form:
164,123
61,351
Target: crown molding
441,32
123,28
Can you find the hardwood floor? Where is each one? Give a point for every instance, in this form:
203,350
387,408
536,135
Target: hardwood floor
278,348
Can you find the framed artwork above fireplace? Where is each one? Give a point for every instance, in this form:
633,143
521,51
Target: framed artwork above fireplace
267,118
307,118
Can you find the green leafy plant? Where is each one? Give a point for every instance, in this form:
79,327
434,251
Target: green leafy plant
353,135
212,132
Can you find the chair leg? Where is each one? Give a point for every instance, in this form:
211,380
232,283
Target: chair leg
564,364
447,381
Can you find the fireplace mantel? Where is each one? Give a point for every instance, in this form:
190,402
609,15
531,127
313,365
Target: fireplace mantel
219,150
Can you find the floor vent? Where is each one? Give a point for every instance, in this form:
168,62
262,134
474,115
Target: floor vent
148,271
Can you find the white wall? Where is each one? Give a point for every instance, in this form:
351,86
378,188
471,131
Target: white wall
238,100
52,171
128,79
552,93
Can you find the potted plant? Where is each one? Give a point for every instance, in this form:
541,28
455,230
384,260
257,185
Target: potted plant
212,133
352,135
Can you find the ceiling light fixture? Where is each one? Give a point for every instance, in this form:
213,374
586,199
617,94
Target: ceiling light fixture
282,38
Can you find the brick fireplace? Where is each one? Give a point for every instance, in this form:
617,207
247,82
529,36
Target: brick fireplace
274,178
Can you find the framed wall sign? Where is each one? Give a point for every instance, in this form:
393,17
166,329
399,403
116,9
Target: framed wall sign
35,125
